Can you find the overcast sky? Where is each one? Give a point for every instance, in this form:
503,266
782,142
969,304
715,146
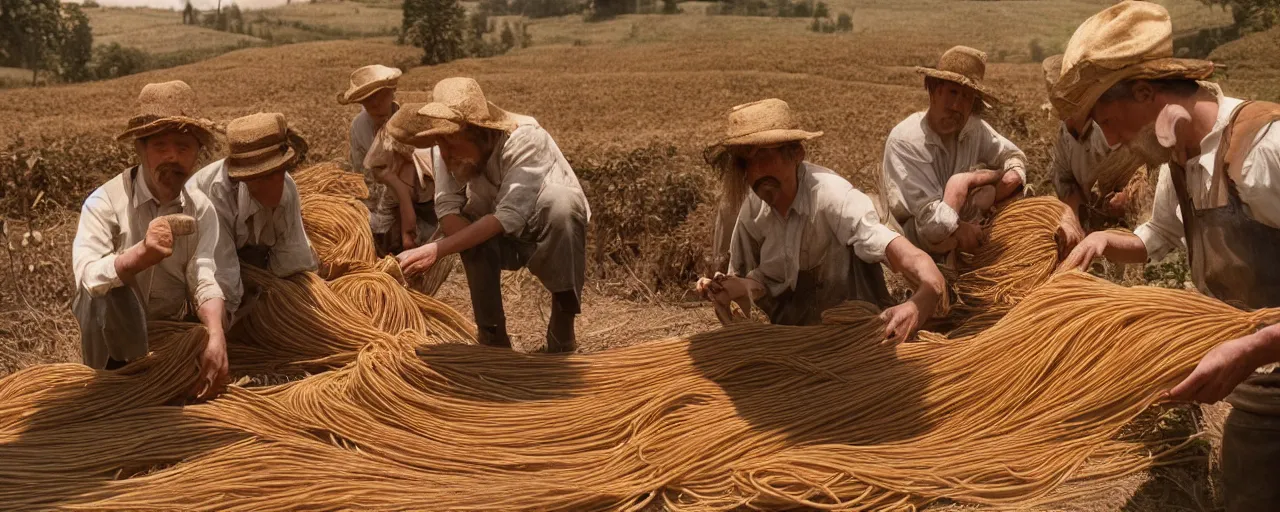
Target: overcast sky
178,4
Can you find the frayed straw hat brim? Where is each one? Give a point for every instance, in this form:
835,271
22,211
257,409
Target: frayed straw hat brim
759,139
497,119
203,129
1076,95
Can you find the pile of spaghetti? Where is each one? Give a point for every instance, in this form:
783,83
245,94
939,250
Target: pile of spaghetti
400,410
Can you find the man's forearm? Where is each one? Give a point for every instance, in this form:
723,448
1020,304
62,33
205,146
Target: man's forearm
453,223
469,236
212,314
1009,183
132,261
1124,248
1268,347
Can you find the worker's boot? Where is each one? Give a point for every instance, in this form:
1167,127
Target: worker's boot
560,333
493,336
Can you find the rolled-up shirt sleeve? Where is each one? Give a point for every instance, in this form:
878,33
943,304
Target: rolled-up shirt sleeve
93,255
1001,153
858,225
911,168
527,160
1164,232
292,253
450,195
202,270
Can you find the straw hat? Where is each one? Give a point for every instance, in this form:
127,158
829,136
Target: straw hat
1127,41
261,144
368,80
459,101
965,66
168,106
760,123
1052,68
405,125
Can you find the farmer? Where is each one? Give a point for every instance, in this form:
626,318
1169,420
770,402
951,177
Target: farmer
1221,194
1080,153
257,204
805,240
508,200
945,168
144,249
374,88
404,163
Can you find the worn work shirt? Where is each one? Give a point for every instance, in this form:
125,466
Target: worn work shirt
827,217
364,130
1075,163
1259,187
414,167
115,217
243,221
917,165
508,184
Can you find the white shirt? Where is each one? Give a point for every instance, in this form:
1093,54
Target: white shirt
508,185
115,217
1259,187
917,166
363,131
1075,163
242,221
827,217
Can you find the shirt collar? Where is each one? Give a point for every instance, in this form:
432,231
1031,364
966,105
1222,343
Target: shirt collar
1211,141
141,192
931,137
801,202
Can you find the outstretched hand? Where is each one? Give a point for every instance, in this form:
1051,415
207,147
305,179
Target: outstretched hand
1219,372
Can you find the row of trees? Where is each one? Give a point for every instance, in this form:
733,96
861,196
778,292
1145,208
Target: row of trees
46,35
445,31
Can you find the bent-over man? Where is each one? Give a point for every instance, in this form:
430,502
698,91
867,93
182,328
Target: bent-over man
805,240
507,199
1221,193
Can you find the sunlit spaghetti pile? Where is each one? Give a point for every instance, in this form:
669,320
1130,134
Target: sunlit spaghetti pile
402,411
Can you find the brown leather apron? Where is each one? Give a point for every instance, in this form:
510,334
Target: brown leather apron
1236,259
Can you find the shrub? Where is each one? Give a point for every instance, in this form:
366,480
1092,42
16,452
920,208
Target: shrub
113,60
844,22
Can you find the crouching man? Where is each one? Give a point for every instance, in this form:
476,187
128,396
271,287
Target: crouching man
805,240
507,200
144,248
258,208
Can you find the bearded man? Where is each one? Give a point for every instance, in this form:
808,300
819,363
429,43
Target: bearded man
145,246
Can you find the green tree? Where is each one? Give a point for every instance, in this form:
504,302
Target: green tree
76,46
508,37
189,15
844,22
31,30
821,11
113,60
670,7
436,26
1250,15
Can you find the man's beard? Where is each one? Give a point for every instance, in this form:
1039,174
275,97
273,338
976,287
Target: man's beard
767,189
171,175
1147,147
463,170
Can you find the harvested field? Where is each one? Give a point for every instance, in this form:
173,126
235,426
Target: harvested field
631,102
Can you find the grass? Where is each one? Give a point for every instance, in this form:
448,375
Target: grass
159,32
353,19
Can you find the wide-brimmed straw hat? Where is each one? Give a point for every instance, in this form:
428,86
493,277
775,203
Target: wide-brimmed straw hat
368,80
1127,41
965,66
262,144
760,123
458,101
405,125
168,106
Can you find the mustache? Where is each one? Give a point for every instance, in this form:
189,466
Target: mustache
171,167
767,180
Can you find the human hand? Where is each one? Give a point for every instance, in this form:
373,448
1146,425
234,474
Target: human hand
1219,372
969,236
419,260
900,322
1092,247
213,368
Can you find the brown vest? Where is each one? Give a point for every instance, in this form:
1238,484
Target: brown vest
1233,257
